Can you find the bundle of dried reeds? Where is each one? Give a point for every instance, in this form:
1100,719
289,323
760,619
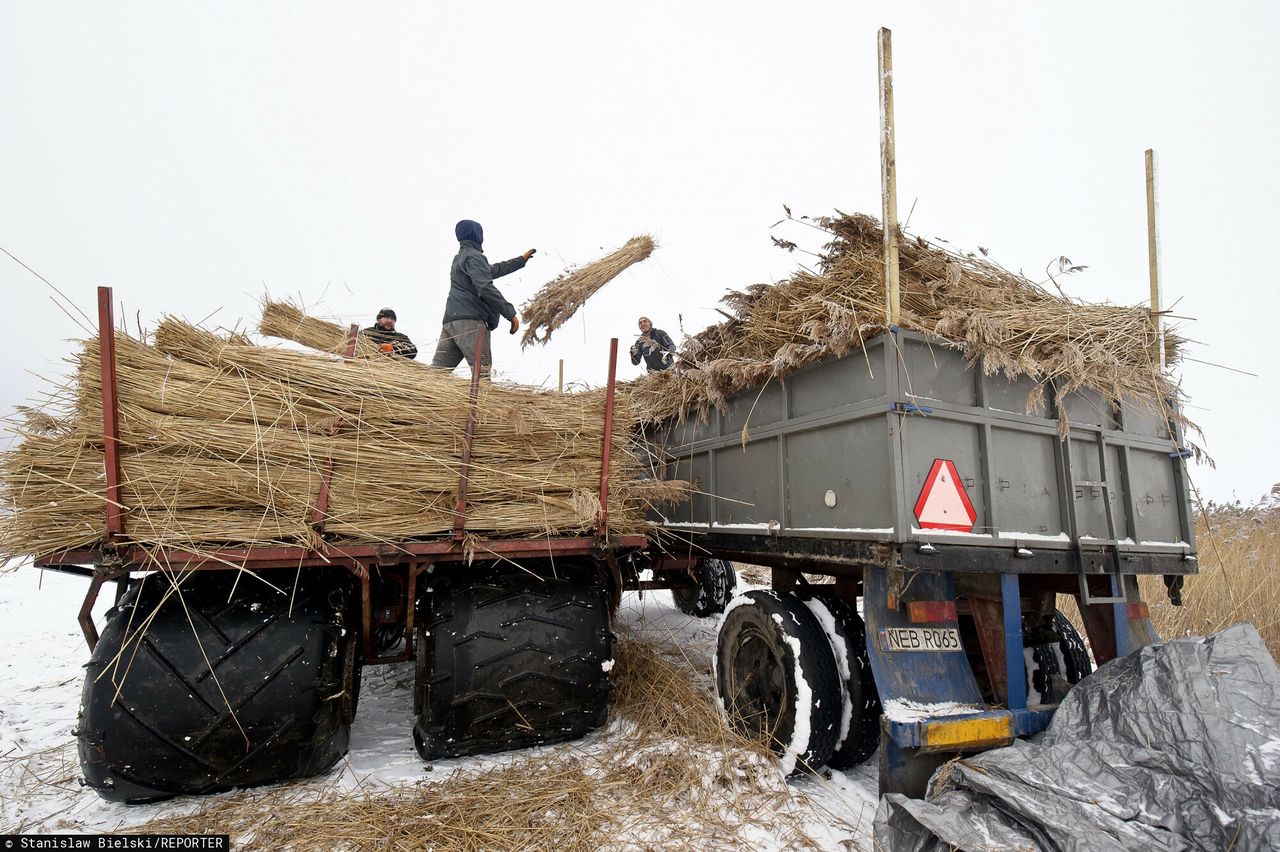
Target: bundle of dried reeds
668,774
223,441
1012,324
288,322
560,299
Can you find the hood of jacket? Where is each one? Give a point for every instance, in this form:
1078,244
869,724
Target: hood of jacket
469,231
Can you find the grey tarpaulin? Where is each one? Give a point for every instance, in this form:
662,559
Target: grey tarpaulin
1175,746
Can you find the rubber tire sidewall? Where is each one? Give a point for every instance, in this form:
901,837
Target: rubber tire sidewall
776,620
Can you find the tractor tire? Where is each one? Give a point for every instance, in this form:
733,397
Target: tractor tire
214,689
509,660
1057,661
709,592
860,701
777,678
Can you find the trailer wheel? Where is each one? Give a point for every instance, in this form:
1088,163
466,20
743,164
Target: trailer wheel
510,659
709,592
216,688
860,702
1058,661
777,677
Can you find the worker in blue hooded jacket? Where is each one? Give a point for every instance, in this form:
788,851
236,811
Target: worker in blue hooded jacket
475,305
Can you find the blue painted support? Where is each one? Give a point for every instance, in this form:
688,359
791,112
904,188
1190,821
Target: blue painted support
926,677
1014,662
1121,614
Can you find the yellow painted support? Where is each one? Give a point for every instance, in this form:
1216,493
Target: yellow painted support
967,732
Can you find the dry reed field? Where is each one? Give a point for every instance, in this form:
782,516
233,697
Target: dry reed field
1239,579
223,441
667,774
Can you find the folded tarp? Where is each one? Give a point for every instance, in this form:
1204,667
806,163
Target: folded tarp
1175,746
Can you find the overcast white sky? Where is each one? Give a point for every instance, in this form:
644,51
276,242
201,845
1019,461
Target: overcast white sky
194,156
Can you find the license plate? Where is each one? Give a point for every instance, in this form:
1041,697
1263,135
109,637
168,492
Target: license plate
920,639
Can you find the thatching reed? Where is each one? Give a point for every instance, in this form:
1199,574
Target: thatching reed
668,773
560,299
1013,325
286,321
223,442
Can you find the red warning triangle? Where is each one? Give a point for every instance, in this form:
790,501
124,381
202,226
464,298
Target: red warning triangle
943,503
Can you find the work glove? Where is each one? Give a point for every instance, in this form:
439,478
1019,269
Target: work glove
386,347
666,357
515,323
530,253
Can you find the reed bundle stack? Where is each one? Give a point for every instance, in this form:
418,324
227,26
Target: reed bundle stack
226,442
560,299
1013,325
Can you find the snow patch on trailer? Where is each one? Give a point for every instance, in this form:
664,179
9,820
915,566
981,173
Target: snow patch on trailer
905,710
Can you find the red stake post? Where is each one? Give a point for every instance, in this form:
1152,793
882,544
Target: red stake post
322,498
110,413
602,528
460,511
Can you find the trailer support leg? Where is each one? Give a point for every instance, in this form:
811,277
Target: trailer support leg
1014,661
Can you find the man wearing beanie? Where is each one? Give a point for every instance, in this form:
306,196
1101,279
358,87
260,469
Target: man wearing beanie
475,305
383,333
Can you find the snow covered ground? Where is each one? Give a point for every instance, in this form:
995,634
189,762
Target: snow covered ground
40,680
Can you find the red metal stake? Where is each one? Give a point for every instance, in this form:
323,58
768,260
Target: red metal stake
460,511
602,526
322,499
110,414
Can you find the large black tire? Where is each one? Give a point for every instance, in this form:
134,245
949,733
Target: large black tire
510,660
860,701
156,715
709,591
1059,660
769,690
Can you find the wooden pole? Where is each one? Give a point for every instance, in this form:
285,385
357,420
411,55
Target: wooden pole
1153,259
561,385
888,179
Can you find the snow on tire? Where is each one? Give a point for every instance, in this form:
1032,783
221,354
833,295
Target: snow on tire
860,702
709,592
777,678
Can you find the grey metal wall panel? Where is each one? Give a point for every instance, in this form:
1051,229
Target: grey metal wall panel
849,459
931,371
749,479
1141,420
1087,406
1119,491
838,382
754,409
1003,394
1091,510
1155,496
693,470
927,438
1025,487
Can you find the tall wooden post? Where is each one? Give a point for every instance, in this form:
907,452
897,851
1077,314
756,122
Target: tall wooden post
1153,260
561,385
888,180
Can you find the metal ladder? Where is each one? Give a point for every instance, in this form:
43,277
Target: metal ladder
1073,524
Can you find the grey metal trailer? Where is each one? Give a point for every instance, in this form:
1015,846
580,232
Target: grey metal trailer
951,518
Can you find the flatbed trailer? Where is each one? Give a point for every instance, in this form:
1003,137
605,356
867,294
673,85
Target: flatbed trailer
945,519
233,666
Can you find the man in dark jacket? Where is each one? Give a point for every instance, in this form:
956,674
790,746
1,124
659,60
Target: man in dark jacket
655,346
383,333
475,305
